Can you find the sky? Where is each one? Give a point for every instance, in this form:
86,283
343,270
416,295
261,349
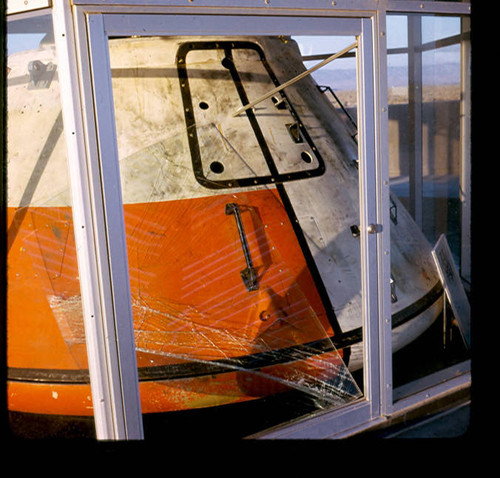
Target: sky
23,41
432,28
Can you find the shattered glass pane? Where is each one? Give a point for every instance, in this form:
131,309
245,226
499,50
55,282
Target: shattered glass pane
191,304
226,306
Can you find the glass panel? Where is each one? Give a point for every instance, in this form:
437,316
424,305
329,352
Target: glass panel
245,271
337,79
48,383
425,135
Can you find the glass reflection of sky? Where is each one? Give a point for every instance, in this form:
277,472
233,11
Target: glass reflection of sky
23,41
433,28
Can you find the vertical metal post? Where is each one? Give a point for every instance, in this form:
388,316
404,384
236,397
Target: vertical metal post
465,135
415,115
383,200
104,284
368,216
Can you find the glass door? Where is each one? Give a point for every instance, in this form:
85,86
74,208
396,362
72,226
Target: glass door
249,214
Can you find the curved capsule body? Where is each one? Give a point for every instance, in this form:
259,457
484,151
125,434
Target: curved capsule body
244,269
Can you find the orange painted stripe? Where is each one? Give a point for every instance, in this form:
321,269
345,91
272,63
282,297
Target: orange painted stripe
189,301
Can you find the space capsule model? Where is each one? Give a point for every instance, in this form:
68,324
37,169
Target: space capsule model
242,231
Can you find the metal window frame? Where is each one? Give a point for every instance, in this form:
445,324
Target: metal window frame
18,6
102,269
78,25
98,27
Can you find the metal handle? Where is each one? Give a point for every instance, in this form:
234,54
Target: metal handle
249,275
371,229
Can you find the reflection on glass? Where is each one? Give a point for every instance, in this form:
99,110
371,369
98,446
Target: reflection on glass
425,93
337,80
241,268
47,361
242,230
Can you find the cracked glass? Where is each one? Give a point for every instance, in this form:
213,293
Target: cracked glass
238,236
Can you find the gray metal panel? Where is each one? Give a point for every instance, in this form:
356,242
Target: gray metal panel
188,24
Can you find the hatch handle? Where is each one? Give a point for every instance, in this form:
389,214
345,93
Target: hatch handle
249,275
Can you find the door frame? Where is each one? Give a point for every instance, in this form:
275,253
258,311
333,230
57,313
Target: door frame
92,32
81,31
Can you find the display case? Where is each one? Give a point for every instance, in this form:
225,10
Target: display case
253,217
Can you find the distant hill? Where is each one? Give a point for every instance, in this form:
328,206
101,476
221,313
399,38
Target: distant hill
345,79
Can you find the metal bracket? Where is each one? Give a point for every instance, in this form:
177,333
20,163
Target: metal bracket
374,228
294,130
394,297
41,75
